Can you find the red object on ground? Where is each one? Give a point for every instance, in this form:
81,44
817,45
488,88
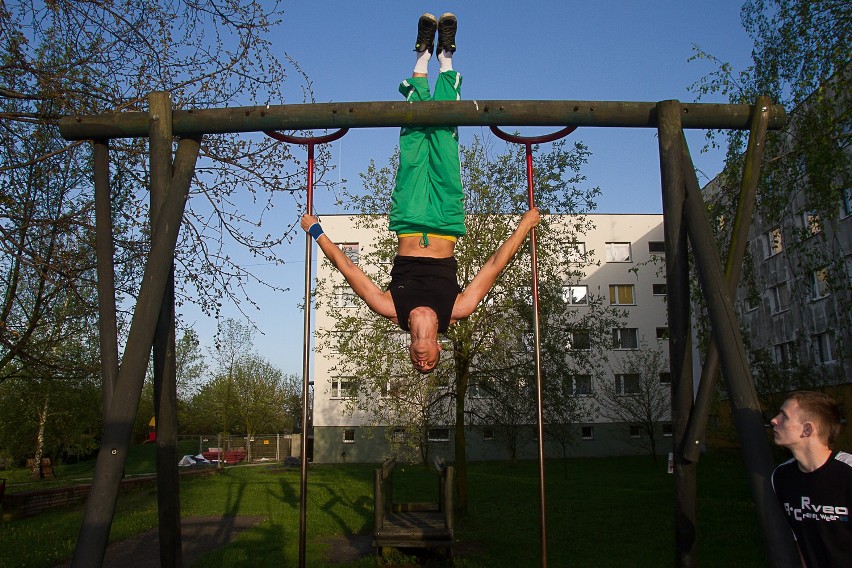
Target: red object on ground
231,456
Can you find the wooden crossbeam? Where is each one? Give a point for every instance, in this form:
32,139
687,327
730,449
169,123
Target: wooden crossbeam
135,124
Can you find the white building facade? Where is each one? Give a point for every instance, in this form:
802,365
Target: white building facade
625,266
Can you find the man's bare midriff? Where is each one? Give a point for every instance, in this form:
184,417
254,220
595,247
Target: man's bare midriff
437,247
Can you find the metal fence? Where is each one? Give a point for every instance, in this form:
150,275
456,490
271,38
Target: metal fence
259,448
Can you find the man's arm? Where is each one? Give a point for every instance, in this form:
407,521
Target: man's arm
470,297
378,301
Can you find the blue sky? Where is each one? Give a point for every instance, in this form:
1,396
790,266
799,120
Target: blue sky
616,50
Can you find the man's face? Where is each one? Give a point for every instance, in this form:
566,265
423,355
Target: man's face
424,354
787,427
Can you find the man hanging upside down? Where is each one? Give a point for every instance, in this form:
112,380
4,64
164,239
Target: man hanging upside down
427,214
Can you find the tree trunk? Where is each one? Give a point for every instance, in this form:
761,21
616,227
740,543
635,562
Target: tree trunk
459,435
39,452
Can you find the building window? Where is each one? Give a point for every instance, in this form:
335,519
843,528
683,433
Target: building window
621,295
823,353
618,252
625,338
339,340
635,432
575,295
785,354
488,433
657,247
579,340
779,298
751,303
581,385
662,333
667,429
344,297
349,436
391,388
665,378
587,432
659,289
575,253
438,434
398,435
350,250
627,383
341,387
819,283
479,389
846,202
809,223
772,243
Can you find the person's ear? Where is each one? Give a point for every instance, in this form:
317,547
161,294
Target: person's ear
807,430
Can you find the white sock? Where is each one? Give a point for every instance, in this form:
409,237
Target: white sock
422,64
445,58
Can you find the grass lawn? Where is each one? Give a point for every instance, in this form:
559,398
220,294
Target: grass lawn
601,512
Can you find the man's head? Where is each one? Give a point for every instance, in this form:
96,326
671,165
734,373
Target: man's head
807,416
424,348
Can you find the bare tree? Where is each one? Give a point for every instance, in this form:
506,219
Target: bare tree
74,57
637,394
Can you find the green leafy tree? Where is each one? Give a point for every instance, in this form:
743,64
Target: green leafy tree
190,369
260,396
255,398
478,348
234,342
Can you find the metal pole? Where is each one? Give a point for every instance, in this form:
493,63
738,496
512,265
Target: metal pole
528,143
739,238
677,286
306,369
539,399
310,142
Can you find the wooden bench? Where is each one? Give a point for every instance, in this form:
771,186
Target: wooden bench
413,525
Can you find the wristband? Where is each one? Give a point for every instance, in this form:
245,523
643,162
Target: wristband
315,231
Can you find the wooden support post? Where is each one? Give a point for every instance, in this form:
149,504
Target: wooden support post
107,326
745,406
118,421
165,367
739,238
677,287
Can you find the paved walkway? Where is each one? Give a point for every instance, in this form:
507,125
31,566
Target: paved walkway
199,535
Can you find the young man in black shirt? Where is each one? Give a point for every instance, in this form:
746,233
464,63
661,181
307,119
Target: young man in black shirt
815,487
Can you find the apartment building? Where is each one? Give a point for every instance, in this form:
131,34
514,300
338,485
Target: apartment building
795,304
624,265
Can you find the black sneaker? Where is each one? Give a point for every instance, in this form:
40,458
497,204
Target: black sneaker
426,27
447,33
